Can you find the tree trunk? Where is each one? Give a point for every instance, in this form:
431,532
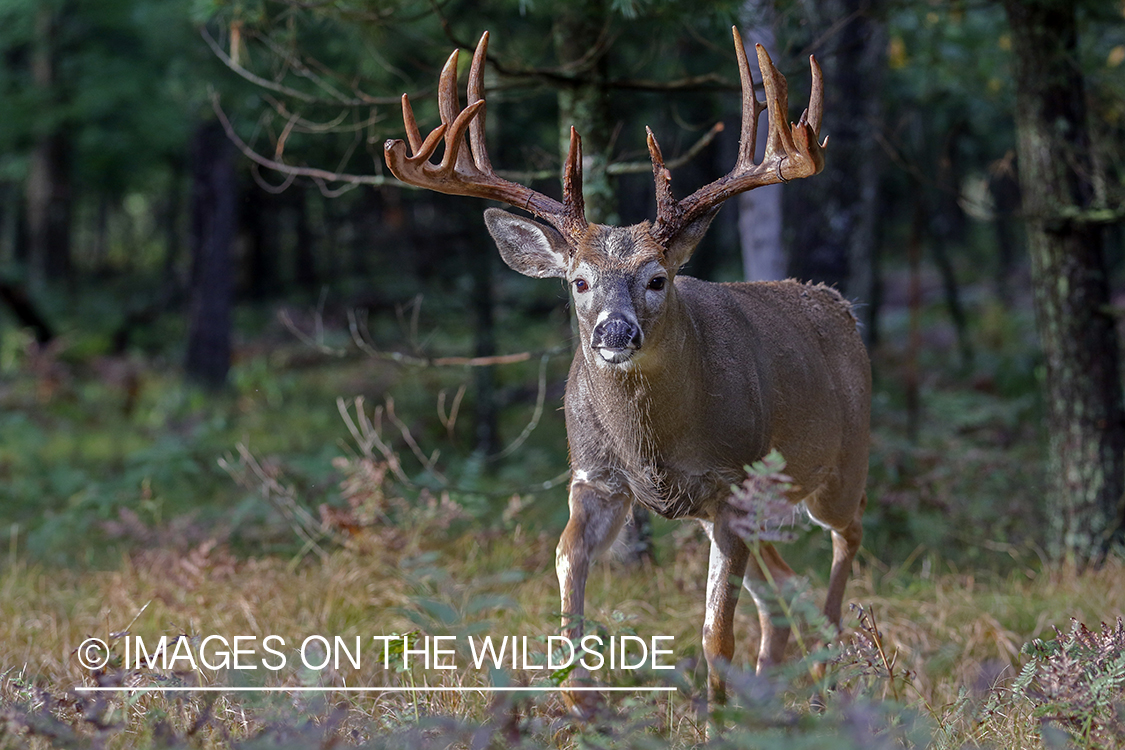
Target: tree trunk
213,219
255,225
830,219
1005,191
1086,421
48,172
304,259
487,438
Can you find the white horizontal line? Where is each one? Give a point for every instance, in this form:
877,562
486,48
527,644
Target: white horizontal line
323,689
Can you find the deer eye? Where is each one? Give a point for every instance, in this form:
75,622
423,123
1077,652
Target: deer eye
581,286
657,283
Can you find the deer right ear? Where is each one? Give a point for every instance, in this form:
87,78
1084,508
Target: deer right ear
527,246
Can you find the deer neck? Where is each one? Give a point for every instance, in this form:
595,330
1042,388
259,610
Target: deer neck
646,404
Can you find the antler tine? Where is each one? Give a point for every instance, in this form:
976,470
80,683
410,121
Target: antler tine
780,139
792,151
449,107
573,200
666,205
467,170
476,94
751,107
411,125
816,98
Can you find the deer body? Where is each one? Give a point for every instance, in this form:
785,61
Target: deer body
741,369
677,383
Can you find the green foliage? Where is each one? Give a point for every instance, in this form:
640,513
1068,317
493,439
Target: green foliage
126,86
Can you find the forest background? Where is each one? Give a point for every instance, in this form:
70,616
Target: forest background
248,379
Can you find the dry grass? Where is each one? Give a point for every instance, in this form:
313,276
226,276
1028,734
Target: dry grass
950,638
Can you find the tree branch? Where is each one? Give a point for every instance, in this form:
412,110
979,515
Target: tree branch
318,175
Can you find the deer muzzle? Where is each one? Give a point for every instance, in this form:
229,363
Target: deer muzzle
616,339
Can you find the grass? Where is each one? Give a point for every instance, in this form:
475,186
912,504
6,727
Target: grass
952,638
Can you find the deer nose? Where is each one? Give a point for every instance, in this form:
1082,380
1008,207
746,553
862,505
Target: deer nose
617,333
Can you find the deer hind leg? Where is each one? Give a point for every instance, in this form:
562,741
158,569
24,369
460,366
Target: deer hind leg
845,545
767,585
595,519
725,568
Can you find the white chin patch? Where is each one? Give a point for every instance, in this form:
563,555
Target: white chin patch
616,356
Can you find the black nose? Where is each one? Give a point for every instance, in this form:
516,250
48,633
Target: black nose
616,333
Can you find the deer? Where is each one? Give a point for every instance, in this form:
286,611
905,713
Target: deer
678,384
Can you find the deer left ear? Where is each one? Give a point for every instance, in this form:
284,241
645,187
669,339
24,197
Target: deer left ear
683,243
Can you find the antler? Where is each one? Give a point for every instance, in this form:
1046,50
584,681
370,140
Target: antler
467,170
792,151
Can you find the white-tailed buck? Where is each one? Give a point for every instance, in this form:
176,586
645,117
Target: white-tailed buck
677,383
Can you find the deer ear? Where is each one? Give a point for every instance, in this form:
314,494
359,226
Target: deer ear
683,243
527,246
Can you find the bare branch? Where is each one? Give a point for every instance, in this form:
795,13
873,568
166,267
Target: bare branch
428,463
255,79
644,166
316,343
449,421
300,68
359,330
323,175
301,125
280,496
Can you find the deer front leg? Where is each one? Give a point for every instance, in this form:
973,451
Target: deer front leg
595,519
725,568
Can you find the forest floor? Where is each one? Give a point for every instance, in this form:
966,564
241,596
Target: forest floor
931,660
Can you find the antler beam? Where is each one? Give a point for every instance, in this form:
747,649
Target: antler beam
465,169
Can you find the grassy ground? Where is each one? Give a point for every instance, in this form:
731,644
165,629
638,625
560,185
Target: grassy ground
954,640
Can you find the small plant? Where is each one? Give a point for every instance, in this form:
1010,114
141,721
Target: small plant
863,659
769,516
1077,682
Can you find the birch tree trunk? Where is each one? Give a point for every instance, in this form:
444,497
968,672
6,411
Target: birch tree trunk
759,211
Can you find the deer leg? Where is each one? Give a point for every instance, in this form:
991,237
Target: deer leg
767,591
725,568
595,519
845,544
